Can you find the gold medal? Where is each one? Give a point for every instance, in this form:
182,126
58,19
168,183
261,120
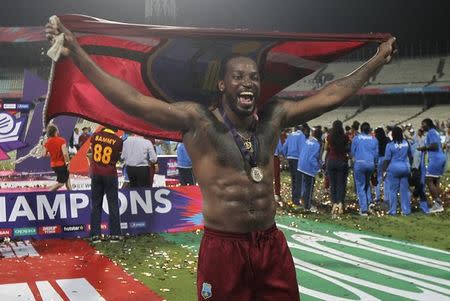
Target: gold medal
248,145
256,174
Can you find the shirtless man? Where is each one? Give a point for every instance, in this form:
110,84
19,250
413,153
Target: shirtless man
243,256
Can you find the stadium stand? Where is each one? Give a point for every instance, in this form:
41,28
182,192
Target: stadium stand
342,113
439,112
11,80
386,115
404,72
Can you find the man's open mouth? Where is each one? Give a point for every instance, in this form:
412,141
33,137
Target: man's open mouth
246,98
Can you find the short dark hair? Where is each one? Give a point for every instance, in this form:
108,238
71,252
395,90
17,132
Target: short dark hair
306,129
318,133
365,127
224,63
51,130
355,125
429,123
397,134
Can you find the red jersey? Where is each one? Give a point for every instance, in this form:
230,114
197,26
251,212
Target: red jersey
106,147
53,147
334,154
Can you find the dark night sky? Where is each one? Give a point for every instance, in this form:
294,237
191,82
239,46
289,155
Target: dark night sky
410,21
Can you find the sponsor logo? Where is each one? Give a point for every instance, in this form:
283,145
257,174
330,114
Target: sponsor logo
5,232
102,227
10,130
23,106
135,225
9,106
24,231
73,228
206,290
123,225
49,230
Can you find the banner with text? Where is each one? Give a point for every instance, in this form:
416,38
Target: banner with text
67,213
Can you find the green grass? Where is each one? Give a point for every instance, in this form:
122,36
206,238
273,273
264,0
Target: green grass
167,268
429,230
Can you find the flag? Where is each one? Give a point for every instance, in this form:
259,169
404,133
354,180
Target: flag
178,63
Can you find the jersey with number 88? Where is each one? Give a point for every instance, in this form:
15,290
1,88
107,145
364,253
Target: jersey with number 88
106,148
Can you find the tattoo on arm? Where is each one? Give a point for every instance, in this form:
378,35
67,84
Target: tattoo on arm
274,112
353,82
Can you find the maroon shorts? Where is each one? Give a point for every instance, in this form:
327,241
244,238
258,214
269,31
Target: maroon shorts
246,267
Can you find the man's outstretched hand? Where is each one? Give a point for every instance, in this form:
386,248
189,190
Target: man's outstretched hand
387,49
54,28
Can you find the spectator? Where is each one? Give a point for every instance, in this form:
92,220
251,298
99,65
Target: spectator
396,167
407,133
309,165
56,149
365,156
291,150
447,145
337,146
277,171
126,180
436,163
418,170
184,165
103,155
326,179
389,132
383,140
354,131
76,138
348,131
158,147
138,153
84,136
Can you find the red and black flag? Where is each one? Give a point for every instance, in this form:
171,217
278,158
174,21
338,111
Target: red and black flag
178,63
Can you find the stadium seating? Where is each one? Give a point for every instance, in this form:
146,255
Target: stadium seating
386,115
401,72
440,112
11,80
327,119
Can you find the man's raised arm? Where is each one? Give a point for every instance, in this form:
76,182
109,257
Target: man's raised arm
119,93
337,92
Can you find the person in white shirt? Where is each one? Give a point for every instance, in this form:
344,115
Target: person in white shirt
138,153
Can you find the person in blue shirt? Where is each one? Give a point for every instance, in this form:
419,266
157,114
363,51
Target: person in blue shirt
365,156
396,167
184,165
291,151
277,171
309,165
383,140
436,163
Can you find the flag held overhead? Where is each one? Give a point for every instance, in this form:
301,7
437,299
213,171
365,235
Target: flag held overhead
178,64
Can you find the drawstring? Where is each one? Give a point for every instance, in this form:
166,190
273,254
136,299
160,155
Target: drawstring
257,237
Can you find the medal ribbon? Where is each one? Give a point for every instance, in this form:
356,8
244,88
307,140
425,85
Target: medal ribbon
248,156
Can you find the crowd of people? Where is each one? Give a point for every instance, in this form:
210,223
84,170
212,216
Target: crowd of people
386,163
